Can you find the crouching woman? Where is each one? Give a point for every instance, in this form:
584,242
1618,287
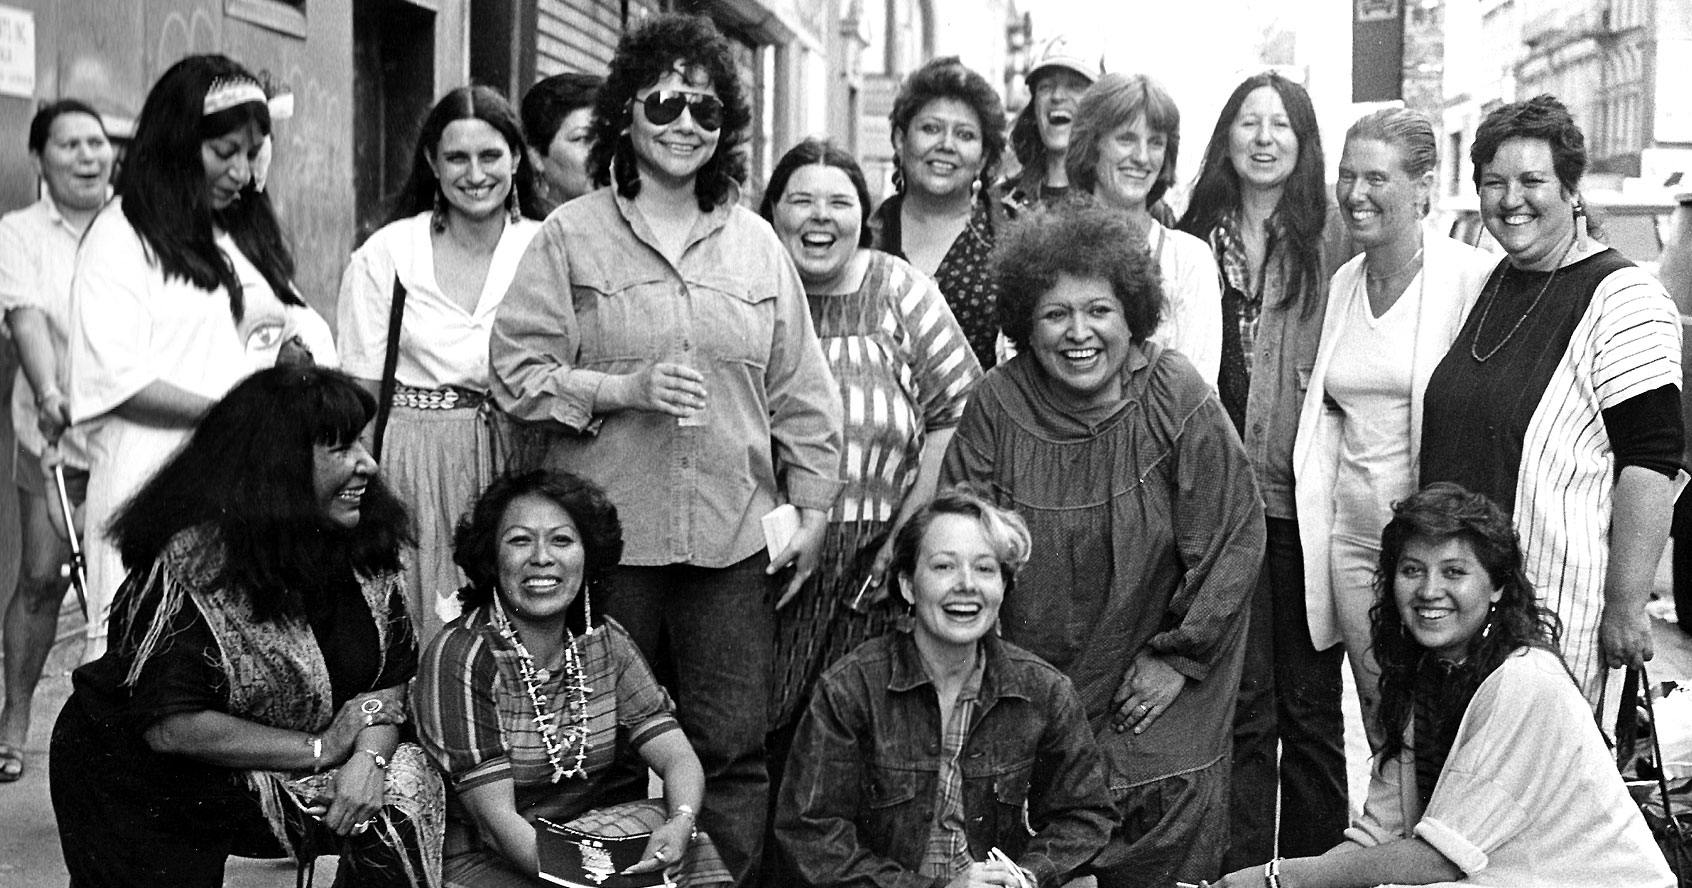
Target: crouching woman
945,756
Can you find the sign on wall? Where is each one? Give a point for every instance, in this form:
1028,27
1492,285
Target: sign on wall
17,52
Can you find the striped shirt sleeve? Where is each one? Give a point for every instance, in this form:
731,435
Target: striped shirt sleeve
454,701
644,708
1636,339
944,367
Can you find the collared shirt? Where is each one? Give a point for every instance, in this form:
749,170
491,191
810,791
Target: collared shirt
37,259
964,274
947,854
441,343
594,296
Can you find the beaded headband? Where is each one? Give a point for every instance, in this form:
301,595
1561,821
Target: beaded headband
227,92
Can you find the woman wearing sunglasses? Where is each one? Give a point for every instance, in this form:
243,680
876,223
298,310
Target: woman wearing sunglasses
663,328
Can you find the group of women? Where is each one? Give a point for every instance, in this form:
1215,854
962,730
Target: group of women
666,486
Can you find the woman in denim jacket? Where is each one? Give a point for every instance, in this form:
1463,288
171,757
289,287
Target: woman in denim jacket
944,756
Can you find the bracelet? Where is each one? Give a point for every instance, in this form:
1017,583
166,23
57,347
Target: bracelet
381,760
684,811
1272,873
316,754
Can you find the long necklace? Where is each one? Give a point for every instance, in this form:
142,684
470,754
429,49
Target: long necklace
575,683
1474,343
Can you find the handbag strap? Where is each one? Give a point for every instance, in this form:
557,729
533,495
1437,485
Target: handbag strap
390,363
1630,687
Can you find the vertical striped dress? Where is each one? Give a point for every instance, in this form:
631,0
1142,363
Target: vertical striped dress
905,370
1525,418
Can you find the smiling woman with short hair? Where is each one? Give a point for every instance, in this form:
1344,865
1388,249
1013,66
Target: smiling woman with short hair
1136,489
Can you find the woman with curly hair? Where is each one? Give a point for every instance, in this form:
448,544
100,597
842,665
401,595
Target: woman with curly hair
1260,202
664,328
1132,480
184,285
1476,702
447,254
251,701
525,702
948,137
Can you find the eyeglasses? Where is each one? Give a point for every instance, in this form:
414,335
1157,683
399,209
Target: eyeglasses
665,106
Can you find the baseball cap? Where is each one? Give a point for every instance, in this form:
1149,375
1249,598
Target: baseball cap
1061,52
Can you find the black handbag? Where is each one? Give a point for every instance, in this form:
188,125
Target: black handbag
1668,812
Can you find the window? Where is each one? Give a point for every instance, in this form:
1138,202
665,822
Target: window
284,16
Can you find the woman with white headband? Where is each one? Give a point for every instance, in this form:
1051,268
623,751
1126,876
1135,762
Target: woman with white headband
184,286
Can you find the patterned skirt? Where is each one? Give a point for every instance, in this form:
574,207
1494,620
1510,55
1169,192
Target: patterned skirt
819,626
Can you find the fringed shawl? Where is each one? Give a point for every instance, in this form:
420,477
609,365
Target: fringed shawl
277,677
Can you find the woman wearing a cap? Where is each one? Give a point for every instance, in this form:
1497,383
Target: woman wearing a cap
1040,135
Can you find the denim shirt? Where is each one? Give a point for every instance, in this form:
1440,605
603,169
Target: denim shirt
594,297
857,803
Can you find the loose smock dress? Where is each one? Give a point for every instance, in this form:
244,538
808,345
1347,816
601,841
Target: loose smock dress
1543,420
905,371
444,442
132,326
1148,534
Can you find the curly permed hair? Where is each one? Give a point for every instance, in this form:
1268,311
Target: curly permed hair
1085,240
661,45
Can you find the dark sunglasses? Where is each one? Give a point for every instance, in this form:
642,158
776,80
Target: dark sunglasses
664,106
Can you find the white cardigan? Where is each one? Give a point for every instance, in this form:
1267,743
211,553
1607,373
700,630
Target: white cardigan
1452,276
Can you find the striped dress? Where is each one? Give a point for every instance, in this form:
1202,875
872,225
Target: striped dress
904,369
1526,425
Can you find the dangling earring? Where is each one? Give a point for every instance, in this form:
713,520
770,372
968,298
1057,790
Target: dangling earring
1486,629
512,206
587,607
438,218
1580,219
974,190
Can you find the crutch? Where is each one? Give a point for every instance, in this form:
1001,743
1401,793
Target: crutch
78,567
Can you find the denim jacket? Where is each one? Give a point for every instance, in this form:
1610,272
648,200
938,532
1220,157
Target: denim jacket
857,803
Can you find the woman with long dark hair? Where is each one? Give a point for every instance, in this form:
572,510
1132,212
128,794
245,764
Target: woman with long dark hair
663,329
1260,202
251,698
448,251
1493,771
184,285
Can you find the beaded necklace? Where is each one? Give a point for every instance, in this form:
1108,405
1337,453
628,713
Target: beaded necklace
575,683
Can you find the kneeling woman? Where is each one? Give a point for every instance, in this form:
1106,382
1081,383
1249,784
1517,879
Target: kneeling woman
945,754
250,699
525,700
1477,704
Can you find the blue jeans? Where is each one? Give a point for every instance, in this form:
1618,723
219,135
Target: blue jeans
1289,695
709,634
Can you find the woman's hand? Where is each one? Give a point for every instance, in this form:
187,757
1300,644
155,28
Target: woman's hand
353,798
803,552
383,707
1250,877
984,875
660,387
666,847
295,353
1148,687
52,415
1624,637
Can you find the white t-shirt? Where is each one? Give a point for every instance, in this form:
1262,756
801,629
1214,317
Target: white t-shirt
1369,378
1529,794
37,260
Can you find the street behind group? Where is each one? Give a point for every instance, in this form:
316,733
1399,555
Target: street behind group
1013,532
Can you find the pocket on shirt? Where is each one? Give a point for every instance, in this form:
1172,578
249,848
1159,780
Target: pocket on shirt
1010,797
735,320
889,820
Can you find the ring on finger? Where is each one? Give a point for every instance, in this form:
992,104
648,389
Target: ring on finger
1143,707
371,706
659,855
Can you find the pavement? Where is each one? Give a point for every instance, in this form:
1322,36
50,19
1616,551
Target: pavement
29,838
